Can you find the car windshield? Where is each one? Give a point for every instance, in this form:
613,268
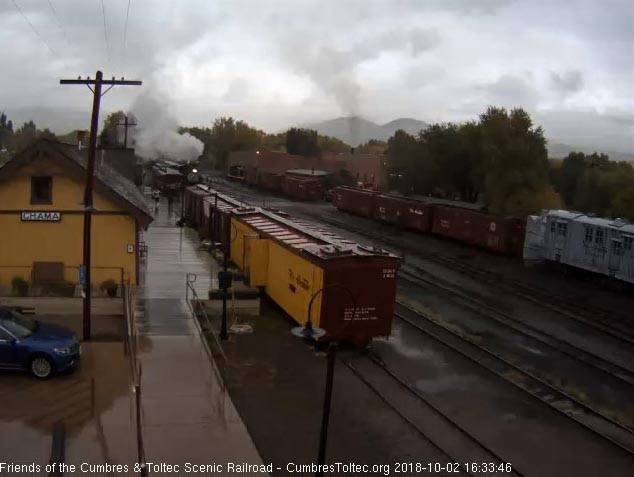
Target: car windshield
18,325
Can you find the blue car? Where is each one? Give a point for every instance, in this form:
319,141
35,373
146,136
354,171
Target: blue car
30,345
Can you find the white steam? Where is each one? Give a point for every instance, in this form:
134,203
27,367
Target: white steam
157,134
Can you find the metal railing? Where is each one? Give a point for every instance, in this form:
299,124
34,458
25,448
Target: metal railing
195,306
131,349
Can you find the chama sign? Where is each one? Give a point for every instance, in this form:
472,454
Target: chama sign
41,216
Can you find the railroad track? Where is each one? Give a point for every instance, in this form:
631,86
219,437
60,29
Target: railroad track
595,317
619,326
437,421
518,326
603,426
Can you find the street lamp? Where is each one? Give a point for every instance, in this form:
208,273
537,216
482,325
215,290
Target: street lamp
308,331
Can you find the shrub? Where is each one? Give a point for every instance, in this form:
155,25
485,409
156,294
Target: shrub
109,287
20,286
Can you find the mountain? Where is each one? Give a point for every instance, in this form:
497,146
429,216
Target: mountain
355,130
557,150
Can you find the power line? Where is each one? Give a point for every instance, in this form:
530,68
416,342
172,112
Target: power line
125,30
59,23
33,28
105,31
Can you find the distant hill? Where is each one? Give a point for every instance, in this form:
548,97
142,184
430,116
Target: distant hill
558,150
59,121
355,130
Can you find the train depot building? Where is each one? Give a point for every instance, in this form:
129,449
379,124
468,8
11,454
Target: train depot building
267,169
42,218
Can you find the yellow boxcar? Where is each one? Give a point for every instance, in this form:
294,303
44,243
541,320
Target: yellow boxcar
354,288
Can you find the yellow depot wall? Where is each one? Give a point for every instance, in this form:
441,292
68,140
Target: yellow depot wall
292,281
22,243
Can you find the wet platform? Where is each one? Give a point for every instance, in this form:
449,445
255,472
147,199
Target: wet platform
188,415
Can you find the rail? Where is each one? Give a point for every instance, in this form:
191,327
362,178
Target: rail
195,305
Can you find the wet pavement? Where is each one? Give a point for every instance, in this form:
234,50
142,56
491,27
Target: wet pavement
94,403
188,415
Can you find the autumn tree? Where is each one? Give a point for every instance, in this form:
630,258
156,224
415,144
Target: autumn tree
515,163
332,144
373,146
228,135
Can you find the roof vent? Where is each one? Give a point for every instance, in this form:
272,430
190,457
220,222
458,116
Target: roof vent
373,249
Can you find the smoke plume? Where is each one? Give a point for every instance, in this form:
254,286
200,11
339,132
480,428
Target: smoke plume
157,134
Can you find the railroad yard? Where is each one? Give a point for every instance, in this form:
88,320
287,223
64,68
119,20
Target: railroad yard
488,361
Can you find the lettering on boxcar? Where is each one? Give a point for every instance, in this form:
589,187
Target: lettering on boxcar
389,272
444,223
362,313
302,282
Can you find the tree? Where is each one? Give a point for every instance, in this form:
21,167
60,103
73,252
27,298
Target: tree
304,142
373,146
6,131
402,152
332,144
228,135
24,136
515,160
274,142
112,134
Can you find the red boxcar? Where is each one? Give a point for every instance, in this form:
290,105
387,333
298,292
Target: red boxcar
355,201
302,189
495,233
270,181
410,213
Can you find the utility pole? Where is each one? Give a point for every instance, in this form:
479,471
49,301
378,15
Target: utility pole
126,125
98,82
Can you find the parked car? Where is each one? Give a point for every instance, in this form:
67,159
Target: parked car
40,348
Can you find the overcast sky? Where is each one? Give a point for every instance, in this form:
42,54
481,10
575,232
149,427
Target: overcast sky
279,63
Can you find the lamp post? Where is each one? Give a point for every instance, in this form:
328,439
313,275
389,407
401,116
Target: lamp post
308,331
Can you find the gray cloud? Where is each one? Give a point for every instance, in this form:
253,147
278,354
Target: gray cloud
567,82
284,62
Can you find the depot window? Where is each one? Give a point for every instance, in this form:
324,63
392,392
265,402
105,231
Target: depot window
628,242
562,228
589,235
42,190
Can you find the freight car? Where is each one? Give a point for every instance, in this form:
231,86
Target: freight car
291,261
408,213
503,235
499,234
302,189
595,244
354,286
356,201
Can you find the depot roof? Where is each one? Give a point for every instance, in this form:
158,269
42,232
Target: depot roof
107,181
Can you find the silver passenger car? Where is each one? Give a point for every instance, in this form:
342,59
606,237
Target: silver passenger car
600,245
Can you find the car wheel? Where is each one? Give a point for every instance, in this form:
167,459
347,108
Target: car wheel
41,367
